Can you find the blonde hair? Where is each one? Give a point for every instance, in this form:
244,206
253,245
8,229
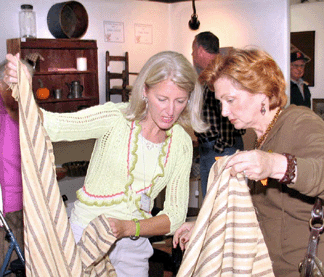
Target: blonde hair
172,66
253,70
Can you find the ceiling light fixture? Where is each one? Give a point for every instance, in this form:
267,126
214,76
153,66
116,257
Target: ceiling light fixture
194,22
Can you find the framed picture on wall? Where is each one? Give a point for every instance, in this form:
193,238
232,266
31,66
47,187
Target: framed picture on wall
318,106
114,31
305,42
143,33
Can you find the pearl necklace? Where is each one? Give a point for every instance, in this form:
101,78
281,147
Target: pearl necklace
259,141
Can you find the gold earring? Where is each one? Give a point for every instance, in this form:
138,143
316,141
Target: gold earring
263,109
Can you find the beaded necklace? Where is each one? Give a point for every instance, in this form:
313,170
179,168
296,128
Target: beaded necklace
145,198
259,141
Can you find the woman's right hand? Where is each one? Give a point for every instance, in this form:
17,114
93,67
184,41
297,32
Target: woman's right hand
258,164
11,74
183,234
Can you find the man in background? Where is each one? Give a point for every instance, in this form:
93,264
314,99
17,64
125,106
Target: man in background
222,138
299,91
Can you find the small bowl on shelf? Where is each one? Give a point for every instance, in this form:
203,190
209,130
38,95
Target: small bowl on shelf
61,173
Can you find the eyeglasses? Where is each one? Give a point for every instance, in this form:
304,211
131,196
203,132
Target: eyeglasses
298,65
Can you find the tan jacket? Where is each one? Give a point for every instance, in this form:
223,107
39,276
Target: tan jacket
284,211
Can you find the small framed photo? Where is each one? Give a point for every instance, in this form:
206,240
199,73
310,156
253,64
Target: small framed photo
318,106
114,31
143,34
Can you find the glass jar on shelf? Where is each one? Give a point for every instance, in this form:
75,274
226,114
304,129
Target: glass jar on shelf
27,21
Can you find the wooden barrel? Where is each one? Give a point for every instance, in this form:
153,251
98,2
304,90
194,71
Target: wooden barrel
67,20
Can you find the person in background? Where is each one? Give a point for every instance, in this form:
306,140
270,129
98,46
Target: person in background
141,148
299,91
222,138
285,170
10,168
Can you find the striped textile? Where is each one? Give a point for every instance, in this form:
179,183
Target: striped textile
226,239
50,249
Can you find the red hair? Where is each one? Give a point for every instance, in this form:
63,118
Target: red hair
252,70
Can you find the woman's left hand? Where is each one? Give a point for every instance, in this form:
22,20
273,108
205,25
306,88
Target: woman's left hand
258,165
183,234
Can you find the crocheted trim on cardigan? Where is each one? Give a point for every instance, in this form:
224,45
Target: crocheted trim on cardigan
132,158
163,155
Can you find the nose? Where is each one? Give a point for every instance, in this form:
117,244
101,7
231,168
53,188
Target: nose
225,111
170,109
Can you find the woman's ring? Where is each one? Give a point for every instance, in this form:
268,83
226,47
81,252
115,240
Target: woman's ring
244,173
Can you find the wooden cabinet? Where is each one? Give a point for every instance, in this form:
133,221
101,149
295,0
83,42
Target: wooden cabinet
58,69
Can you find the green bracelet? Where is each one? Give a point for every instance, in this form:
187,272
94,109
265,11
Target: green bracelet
138,228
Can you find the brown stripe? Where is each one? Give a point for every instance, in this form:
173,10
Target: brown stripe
235,192
65,236
237,240
236,271
36,131
43,161
239,256
241,209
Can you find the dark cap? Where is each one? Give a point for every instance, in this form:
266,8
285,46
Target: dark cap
295,56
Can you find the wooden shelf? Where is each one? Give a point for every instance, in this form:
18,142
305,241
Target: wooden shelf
61,53
53,100
63,72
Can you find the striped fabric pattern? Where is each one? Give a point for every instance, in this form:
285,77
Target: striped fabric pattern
50,248
226,239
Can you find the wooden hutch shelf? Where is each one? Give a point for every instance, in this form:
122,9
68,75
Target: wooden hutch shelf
61,54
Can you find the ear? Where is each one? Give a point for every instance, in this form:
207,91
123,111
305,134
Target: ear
201,51
264,98
145,90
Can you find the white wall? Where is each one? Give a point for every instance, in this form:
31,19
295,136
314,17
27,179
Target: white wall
127,11
309,17
237,23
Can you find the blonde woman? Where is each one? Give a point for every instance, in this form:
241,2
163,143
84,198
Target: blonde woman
141,148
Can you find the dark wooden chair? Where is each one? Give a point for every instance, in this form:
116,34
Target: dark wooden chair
123,89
